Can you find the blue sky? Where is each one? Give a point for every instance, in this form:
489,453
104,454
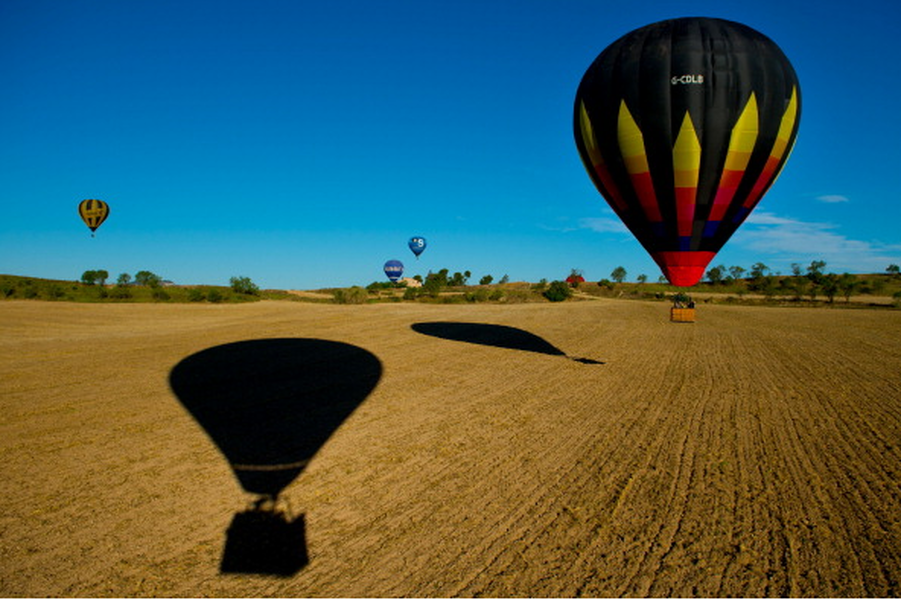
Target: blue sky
302,143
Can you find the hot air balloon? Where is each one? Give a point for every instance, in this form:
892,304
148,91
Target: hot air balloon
417,245
93,213
394,269
683,125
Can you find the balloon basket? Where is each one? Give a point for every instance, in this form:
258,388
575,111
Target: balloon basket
682,315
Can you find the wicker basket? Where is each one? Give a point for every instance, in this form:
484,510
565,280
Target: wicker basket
682,315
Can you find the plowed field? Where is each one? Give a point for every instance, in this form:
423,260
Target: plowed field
459,450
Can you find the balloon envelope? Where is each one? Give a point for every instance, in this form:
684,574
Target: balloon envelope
417,245
683,125
93,213
394,269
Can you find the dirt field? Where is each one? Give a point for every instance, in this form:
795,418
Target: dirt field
461,450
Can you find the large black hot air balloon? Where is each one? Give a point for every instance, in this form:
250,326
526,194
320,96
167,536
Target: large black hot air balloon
683,125
93,213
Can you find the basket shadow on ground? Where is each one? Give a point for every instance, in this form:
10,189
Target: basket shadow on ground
500,336
269,405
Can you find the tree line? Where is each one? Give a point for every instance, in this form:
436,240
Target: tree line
811,281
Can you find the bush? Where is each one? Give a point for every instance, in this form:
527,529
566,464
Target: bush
353,295
196,295
120,292
479,295
215,296
558,291
243,285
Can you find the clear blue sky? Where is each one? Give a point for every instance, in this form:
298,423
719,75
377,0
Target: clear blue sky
301,143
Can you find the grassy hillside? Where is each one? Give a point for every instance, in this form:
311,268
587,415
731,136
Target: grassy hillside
865,290
34,288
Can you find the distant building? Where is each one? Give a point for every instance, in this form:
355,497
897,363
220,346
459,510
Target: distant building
413,283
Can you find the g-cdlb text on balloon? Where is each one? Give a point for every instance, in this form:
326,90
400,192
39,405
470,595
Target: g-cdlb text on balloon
687,79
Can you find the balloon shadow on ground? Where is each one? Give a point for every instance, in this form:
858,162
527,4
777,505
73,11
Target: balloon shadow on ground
500,336
270,405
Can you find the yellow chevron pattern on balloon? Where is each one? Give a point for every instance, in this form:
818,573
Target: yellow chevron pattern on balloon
597,161
741,145
774,163
686,169
632,147
591,143
786,127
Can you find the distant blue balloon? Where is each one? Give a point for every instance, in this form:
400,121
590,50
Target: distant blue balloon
394,269
417,245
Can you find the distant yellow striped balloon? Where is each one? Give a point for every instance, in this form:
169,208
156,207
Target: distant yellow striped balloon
93,213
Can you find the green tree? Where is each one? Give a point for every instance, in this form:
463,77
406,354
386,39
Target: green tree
243,285
434,283
618,274
147,278
829,286
558,291
642,278
815,270
486,280
124,279
847,285
759,270
504,279
89,277
761,279
798,281
893,270
736,272
715,275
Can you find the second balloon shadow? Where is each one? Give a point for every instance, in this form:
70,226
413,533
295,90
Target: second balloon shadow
499,336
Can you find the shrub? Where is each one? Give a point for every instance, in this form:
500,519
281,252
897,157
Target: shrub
243,285
479,295
353,295
120,292
558,291
196,295
215,296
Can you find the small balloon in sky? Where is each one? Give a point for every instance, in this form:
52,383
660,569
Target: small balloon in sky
417,245
683,125
93,213
394,269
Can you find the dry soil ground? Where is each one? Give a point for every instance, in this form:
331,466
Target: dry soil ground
756,452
